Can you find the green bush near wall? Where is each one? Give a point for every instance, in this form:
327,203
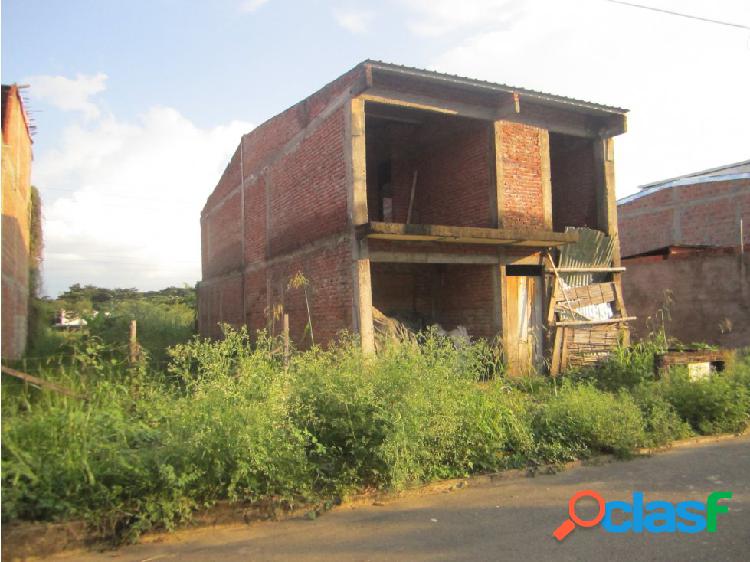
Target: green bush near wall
229,420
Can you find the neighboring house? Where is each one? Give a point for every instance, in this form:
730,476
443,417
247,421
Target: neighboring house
685,244
69,321
417,193
16,186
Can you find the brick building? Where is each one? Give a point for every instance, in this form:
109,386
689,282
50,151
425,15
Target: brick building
682,240
699,209
421,194
16,186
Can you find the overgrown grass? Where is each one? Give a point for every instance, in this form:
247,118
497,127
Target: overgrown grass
228,420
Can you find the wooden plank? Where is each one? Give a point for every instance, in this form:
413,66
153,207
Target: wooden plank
556,353
564,349
427,103
509,106
411,197
506,319
463,234
510,332
40,382
590,269
595,322
588,295
431,257
557,119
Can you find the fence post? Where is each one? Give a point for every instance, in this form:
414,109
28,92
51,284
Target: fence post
133,344
286,339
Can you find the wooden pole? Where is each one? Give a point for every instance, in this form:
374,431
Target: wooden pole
39,382
133,344
286,340
411,197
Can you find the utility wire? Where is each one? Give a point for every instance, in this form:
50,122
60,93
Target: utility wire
671,13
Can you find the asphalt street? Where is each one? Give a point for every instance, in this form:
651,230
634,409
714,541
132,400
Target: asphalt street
506,519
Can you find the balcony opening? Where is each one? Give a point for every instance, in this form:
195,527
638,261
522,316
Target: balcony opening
437,165
574,184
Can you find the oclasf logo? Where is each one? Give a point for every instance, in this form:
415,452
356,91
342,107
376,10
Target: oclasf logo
652,517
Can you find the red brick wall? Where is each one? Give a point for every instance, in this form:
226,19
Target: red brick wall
706,290
404,290
222,238
16,201
307,189
522,176
704,214
295,209
329,271
454,178
265,141
466,298
219,301
256,238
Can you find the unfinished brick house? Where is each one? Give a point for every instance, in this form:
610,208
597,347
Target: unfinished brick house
421,194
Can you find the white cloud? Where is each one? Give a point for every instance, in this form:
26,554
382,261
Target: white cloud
354,20
681,78
249,6
432,18
122,200
69,94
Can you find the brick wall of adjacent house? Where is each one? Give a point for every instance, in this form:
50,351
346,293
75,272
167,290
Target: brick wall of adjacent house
706,214
16,187
699,296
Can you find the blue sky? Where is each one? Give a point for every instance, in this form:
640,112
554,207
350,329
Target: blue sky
140,103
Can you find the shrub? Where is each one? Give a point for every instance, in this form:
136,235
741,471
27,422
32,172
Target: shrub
663,423
626,367
581,420
717,404
739,368
413,413
230,420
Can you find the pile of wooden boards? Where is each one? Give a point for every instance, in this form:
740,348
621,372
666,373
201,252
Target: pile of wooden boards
586,315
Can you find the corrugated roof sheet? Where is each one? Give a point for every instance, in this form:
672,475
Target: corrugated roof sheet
475,82
728,172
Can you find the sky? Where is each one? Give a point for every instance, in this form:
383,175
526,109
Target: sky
139,104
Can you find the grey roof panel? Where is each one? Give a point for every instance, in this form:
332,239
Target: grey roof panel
484,84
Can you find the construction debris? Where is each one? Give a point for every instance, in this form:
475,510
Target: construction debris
389,329
586,310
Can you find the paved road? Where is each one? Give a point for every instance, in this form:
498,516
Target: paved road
502,520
